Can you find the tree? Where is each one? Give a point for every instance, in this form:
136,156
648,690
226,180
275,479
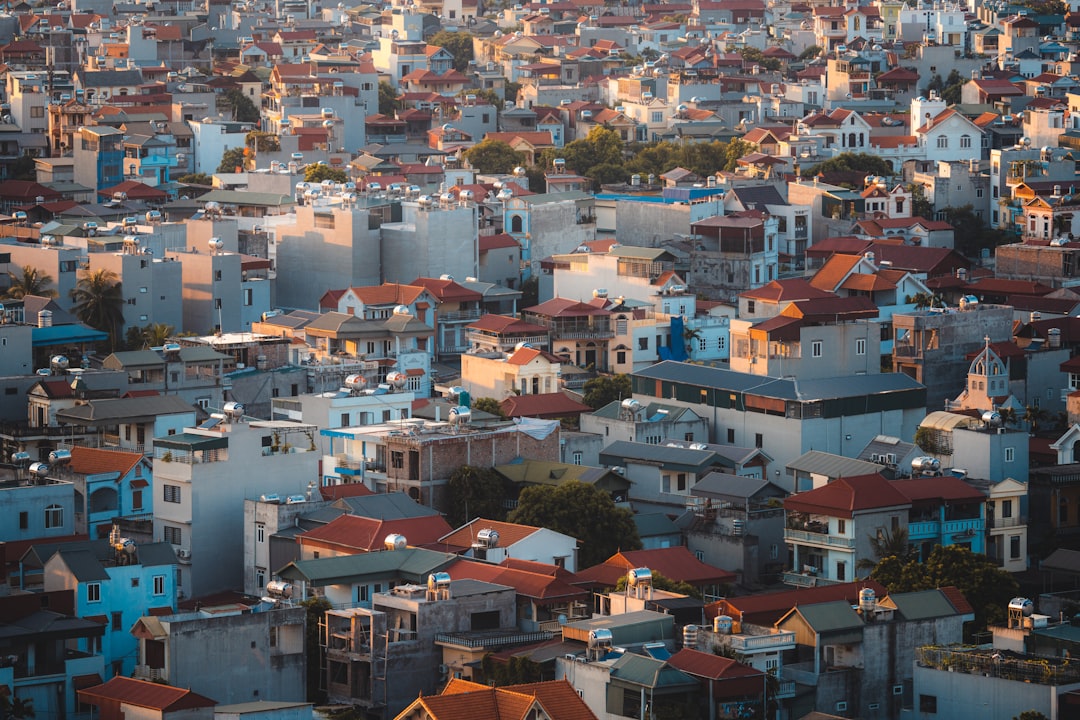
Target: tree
920,204
601,390
530,292
494,156
849,161
517,670
924,300
1030,715
752,54
491,97
16,708
886,544
511,90
971,235
23,168
98,301
986,586
157,334
318,173
241,106
195,179
30,282
953,87
262,141
475,492
581,511
811,52
232,160
488,405
1033,416
388,101
316,611
458,44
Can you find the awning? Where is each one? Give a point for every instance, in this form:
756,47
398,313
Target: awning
137,484
81,682
191,441
414,372
100,619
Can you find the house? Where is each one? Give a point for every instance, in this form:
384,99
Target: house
662,476
123,696
637,422
349,534
552,700
727,684
830,528
525,371
675,563
494,541
226,665
113,579
501,333
944,511
528,473
111,485
579,331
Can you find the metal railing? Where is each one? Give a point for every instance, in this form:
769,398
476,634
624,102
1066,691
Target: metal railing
753,643
818,538
494,640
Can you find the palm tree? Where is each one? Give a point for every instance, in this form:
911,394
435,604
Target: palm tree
923,300
886,544
99,302
1033,416
14,708
157,334
31,282
692,337
1008,415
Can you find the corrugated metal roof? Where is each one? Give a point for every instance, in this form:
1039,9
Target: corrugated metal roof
922,605
832,466
641,670
410,564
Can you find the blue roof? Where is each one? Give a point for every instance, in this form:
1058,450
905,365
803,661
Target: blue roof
61,334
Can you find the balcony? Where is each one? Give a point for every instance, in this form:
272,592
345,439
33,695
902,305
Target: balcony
1010,522
785,689
145,672
460,316
807,537
798,579
490,640
924,529
583,334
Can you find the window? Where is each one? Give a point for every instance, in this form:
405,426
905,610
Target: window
928,703
247,297
720,343
841,570
260,577
731,436
620,357
643,343
217,274
24,520
681,479
172,493
774,551
943,143
1010,454
159,584
397,459
37,112
759,440
578,457
750,306
860,346
93,592
54,517
117,620
135,582
965,141
703,344
1014,547
815,348
172,535
841,526
260,533
1006,508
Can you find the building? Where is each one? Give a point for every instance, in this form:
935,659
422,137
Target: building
525,371
494,541
113,584
122,697
110,487
206,473
211,649
580,332
552,700
637,422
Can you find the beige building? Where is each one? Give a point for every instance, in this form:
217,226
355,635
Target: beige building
525,371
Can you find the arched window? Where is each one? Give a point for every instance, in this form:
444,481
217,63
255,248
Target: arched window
54,517
851,140
515,223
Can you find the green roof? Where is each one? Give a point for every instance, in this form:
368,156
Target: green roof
241,197
652,524
539,472
922,605
191,442
412,564
641,670
835,619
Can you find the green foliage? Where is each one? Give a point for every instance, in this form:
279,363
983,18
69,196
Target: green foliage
458,44
583,512
601,390
318,173
22,168
494,156
920,204
388,102
926,439
262,141
195,179
231,160
30,281
148,336
511,90
98,301
887,544
475,492
241,106
849,161
1030,715
811,52
16,708
663,582
518,670
752,54
488,405
316,610
602,146
971,234
489,96
530,292
986,586
949,89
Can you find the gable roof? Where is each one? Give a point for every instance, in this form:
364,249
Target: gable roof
465,700
369,534
676,563
509,533
766,608
846,496
94,461
543,405
142,693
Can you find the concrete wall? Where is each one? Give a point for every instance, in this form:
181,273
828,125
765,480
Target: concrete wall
983,454
16,357
152,288
32,500
749,554
430,243
647,224
961,694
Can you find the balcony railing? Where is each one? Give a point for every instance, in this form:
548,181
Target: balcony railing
145,672
785,689
459,315
595,334
814,538
805,579
1009,522
756,643
491,640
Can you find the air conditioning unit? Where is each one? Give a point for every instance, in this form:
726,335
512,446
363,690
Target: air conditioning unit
874,457
891,458
183,554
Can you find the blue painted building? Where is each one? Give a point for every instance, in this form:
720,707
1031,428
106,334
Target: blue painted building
944,511
111,484
114,587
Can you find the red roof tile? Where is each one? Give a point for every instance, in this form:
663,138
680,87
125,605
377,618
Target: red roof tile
675,563
93,461
944,488
368,534
495,242
142,693
730,677
766,608
448,290
336,492
537,586
544,405
845,496
504,325
509,533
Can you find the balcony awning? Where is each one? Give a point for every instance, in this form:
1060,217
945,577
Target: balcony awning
191,442
81,682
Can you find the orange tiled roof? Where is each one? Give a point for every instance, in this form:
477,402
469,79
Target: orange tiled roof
833,272
93,461
368,534
509,533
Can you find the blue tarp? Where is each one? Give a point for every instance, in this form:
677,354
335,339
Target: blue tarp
64,334
676,344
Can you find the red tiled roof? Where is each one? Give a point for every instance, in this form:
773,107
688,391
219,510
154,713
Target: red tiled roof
465,700
504,325
509,533
388,294
142,693
845,496
564,307
447,290
957,599
833,272
94,461
730,677
945,488
537,586
336,492
495,242
368,534
1002,286
675,563
544,405
135,191
767,608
